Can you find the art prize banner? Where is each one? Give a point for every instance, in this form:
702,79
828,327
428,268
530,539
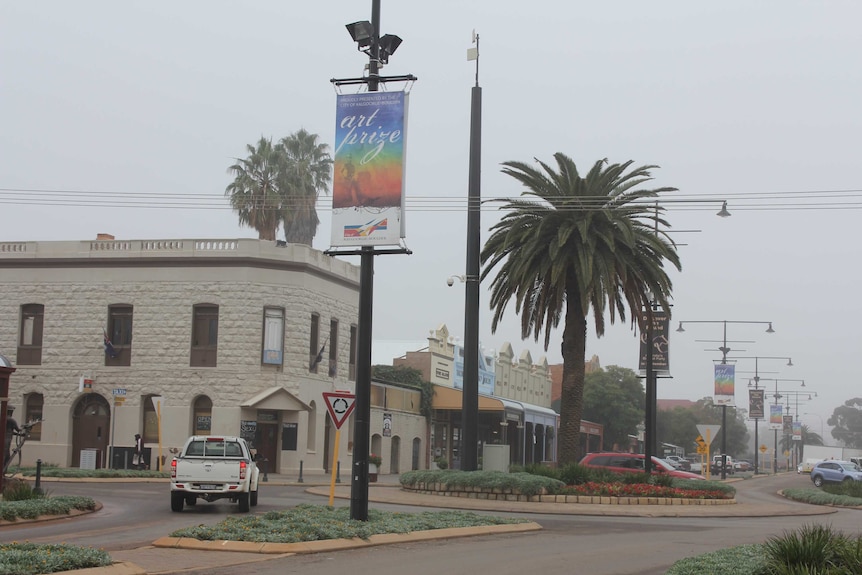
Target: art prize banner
787,426
368,177
776,414
660,344
755,403
724,384
797,431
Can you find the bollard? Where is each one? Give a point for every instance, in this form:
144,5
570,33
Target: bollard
338,473
38,488
265,469
300,472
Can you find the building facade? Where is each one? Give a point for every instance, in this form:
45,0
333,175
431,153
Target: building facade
170,338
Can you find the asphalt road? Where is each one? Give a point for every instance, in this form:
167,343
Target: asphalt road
136,514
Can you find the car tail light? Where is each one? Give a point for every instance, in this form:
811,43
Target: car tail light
173,468
243,467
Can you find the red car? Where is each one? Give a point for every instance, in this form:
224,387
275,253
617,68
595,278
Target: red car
633,463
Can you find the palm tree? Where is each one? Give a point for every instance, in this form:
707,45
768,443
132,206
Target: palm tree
578,243
306,171
254,192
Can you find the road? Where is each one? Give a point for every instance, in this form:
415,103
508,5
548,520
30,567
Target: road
136,514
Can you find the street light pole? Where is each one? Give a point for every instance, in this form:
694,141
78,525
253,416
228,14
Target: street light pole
775,429
724,351
756,386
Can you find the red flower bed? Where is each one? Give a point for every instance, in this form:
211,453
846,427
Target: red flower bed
639,490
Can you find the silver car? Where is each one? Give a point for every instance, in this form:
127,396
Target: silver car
834,471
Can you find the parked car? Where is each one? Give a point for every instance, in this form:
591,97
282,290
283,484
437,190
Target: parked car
679,462
633,463
742,465
835,471
809,464
715,467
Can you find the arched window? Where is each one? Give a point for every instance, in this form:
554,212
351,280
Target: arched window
151,420
203,411
33,412
311,433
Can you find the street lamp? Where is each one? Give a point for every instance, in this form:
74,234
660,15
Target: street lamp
757,388
724,351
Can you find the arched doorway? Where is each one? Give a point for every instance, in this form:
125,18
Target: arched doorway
395,456
91,424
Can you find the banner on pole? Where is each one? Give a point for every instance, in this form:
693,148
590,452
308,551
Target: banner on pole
776,412
368,178
660,344
724,384
755,403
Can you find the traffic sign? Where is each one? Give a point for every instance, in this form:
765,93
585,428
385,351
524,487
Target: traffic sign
763,449
702,449
708,431
340,405
700,442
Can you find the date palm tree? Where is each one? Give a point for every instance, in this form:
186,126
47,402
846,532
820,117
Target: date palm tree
254,193
306,172
573,244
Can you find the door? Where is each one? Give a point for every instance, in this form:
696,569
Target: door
266,442
91,420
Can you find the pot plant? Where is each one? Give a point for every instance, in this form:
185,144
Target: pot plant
374,463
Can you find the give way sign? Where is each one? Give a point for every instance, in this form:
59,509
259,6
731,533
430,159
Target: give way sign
340,405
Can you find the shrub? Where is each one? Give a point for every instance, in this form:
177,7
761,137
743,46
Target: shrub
20,490
33,559
846,488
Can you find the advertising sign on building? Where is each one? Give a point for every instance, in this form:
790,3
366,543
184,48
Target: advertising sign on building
368,177
660,345
724,384
487,373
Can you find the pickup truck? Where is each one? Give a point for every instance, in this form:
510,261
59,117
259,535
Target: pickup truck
213,467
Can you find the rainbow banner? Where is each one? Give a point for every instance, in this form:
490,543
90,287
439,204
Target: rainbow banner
368,178
724,384
776,417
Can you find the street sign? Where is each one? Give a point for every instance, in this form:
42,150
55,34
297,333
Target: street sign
700,442
119,392
701,449
708,431
763,449
340,405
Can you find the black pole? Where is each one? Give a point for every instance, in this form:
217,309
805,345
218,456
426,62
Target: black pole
724,442
756,444
470,396
649,432
362,411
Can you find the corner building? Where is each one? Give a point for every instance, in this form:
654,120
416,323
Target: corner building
234,337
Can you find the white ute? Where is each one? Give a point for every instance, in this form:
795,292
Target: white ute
214,467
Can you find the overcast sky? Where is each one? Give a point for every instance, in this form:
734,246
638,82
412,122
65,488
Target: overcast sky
752,102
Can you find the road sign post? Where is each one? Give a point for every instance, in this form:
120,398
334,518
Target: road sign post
340,405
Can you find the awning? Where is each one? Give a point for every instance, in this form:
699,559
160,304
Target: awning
450,398
276,398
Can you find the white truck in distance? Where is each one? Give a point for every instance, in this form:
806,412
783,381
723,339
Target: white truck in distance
213,467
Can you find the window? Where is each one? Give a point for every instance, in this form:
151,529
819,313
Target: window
204,336
314,341
273,335
351,371
30,339
203,410
33,412
333,348
120,334
151,420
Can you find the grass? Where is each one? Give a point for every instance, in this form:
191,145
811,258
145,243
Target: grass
33,559
316,522
74,472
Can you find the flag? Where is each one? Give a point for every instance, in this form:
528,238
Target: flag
109,348
319,357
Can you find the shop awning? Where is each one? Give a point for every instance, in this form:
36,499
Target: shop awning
450,398
276,398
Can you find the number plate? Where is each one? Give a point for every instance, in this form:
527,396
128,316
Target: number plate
208,486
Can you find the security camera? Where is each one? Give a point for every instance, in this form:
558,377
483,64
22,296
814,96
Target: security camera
450,282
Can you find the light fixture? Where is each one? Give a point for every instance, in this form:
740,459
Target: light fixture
769,329
790,364
361,32
388,44
803,383
723,211
680,327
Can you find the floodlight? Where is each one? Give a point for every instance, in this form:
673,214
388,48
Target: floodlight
361,32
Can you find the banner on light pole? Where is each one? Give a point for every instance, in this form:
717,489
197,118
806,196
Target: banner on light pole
724,384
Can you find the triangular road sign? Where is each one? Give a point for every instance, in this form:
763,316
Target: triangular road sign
340,405
708,432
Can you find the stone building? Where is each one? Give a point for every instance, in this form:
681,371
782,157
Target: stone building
169,338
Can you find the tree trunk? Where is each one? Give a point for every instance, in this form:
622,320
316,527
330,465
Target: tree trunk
574,350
